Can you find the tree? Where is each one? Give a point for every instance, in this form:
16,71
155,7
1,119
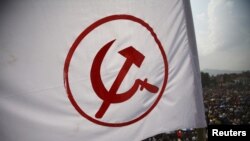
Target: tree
205,79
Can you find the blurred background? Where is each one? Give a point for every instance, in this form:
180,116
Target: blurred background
223,42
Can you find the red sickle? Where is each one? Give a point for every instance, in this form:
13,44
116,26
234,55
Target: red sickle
133,57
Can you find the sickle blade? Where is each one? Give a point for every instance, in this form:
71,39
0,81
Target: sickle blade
95,73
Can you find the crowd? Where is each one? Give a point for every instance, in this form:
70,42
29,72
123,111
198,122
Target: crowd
227,99
227,106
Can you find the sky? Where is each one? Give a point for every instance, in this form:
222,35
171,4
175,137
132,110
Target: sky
222,29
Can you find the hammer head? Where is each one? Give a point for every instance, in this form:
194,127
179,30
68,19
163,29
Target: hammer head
133,55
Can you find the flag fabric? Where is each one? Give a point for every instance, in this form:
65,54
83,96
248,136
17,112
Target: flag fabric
97,70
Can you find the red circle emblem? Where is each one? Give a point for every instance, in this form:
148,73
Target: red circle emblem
142,83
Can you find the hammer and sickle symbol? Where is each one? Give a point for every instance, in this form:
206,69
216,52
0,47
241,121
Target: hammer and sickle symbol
110,96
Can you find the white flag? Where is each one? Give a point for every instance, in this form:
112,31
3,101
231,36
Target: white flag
97,70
